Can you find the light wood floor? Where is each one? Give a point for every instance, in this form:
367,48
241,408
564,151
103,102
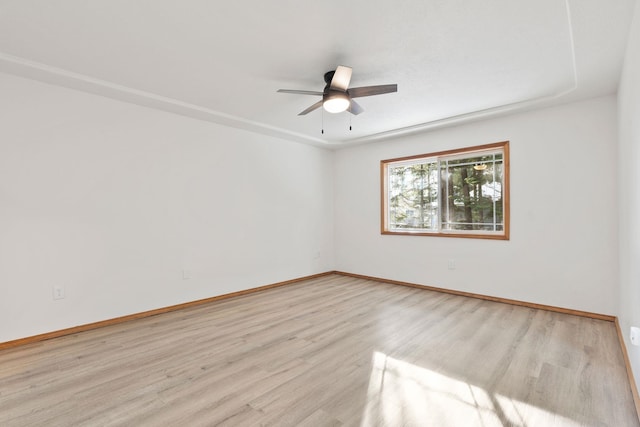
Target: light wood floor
327,352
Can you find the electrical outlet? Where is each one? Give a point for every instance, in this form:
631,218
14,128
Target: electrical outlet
635,335
58,292
186,274
451,264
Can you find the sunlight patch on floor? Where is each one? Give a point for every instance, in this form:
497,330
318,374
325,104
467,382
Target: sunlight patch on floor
401,393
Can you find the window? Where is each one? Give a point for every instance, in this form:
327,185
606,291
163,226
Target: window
456,193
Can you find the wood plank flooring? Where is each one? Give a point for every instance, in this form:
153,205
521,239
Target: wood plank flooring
331,351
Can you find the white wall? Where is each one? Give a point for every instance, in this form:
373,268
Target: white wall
112,201
563,247
629,191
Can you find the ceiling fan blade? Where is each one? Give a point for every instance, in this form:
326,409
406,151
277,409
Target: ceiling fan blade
358,92
341,78
355,108
300,92
310,109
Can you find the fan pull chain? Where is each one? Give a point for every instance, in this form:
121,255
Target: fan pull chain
322,121
350,120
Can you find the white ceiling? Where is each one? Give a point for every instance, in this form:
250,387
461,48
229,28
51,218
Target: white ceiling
453,60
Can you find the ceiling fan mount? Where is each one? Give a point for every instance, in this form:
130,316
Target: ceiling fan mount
337,96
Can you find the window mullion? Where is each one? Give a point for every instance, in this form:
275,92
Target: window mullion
493,198
439,186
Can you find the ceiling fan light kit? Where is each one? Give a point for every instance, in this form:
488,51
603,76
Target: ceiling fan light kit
337,97
336,102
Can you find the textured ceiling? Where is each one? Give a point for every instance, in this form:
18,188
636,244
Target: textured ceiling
453,60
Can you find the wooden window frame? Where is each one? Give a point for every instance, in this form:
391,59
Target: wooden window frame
492,235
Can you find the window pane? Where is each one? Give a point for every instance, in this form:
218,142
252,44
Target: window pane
472,189
413,196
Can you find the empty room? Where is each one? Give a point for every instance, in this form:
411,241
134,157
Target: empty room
365,213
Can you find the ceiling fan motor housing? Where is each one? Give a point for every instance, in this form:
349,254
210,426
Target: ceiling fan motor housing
328,76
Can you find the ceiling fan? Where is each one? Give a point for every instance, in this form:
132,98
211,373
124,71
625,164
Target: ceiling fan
337,97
